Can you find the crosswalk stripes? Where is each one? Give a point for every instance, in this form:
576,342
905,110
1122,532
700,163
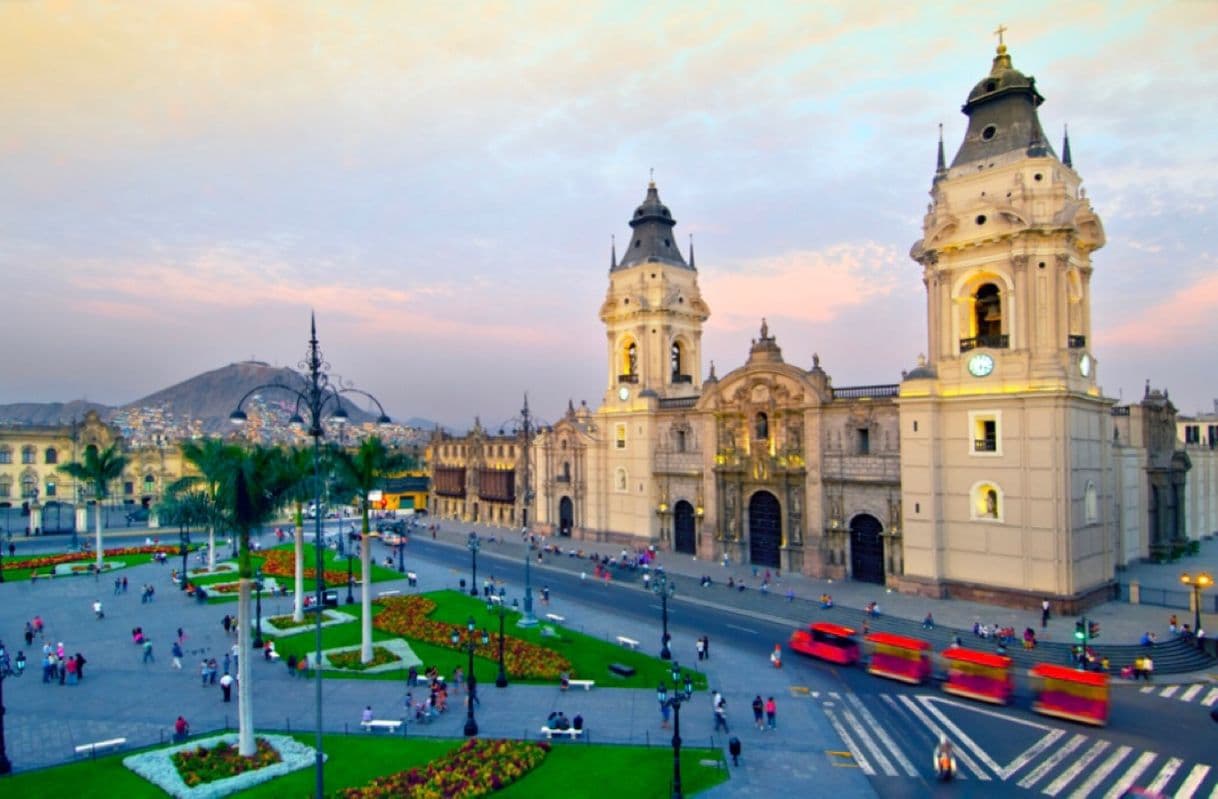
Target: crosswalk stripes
1189,694
887,734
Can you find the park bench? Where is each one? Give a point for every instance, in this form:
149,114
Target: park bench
621,669
391,592
587,685
554,617
629,643
91,748
38,576
381,724
548,631
550,732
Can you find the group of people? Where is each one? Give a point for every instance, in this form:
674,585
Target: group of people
58,665
437,692
765,714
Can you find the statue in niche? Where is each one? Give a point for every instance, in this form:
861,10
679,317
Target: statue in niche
795,435
727,436
763,427
729,510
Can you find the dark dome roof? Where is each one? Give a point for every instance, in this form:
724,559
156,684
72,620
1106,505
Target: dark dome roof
652,240
1002,115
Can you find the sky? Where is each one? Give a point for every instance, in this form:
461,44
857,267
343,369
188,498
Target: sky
182,183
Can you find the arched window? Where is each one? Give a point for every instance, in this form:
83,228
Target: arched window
52,455
149,483
566,471
986,502
987,308
29,484
6,487
675,362
762,427
6,454
27,454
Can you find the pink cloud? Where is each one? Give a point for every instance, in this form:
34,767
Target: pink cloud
1181,317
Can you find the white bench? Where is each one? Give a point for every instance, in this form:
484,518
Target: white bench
550,732
392,592
630,643
92,748
554,617
496,599
587,685
381,724
274,656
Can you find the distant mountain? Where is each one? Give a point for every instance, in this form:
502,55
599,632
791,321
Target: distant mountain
50,413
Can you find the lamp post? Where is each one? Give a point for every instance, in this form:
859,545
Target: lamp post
8,668
184,538
473,545
471,725
401,561
258,623
1197,582
317,397
664,588
350,578
682,691
499,609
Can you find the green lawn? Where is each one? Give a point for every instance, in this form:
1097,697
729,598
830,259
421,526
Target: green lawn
570,770
589,656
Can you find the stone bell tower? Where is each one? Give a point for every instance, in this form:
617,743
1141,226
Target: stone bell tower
1005,467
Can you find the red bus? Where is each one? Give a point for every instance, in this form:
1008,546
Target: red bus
827,641
1070,694
979,675
898,657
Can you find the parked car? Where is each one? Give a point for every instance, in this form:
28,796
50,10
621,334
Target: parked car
391,525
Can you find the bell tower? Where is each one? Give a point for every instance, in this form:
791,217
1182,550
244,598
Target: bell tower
1004,431
653,312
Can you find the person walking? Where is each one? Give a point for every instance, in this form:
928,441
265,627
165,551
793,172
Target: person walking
1044,613
227,623
706,647
80,666
665,713
176,651
97,609
203,671
771,713
720,713
148,658
226,686
758,712
699,646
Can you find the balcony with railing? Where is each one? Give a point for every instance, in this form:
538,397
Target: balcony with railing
996,342
985,445
1076,342
682,379
867,392
628,378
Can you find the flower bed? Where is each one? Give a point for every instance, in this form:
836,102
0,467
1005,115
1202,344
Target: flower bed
157,766
282,563
350,660
407,616
477,768
42,561
199,765
287,620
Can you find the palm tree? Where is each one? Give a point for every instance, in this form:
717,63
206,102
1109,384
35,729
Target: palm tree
250,493
98,470
212,457
184,510
296,470
359,473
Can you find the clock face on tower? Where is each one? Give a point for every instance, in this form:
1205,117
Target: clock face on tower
980,365
623,393
1084,365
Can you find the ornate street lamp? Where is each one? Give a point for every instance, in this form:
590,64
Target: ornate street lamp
682,691
319,400
8,668
401,562
473,545
499,609
1197,582
258,623
350,578
471,725
664,588
184,539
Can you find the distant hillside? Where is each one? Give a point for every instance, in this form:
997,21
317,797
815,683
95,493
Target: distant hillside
213,395
50,413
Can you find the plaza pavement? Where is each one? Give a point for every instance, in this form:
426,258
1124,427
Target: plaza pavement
122,697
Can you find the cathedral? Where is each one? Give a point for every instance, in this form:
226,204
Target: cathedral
994,469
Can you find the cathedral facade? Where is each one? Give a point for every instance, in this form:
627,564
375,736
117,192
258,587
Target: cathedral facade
995,469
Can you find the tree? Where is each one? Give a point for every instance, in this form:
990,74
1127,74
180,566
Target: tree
250,493
359,473
97,469
212,457
297,473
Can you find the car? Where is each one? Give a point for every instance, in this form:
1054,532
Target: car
391,525
393,539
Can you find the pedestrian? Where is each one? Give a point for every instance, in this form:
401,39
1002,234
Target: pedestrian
545,595
118,586
227,622
29,634
226,686
181,636
97,609
176,651
124,585
80,666
1044,613
1148,667
38,625
665,712
771,713
148,658
227,662
929,622
1172,625
203,671
701,651
720,713
706,646
181,729
758,712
